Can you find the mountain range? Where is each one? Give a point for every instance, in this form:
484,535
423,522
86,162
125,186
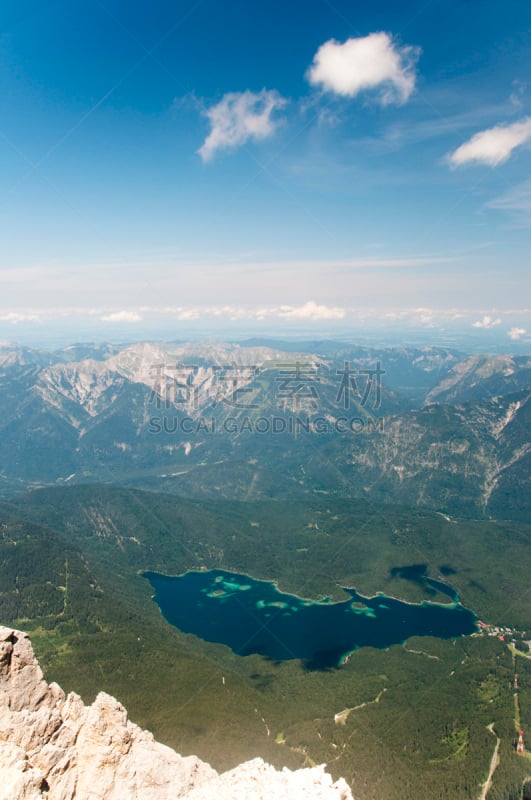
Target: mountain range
429,426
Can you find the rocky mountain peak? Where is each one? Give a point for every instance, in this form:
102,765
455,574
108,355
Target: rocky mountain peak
53,746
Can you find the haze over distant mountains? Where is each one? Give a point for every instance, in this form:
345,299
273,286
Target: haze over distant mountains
427,426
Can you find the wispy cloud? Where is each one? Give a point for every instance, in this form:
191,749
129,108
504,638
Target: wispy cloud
364,63
239,117
14,317
493,146
486,322
519,89
400,132
516,333
427,317
308,311
122,316
424,316
516,201
188,314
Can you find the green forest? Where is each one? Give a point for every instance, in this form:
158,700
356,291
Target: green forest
416,716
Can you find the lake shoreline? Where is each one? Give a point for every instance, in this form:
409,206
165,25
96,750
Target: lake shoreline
253,616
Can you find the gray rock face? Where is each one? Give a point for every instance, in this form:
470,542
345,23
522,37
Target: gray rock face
53,746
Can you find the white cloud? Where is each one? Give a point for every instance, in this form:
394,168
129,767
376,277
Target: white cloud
309,311
493,146
238,117
231,312
516,333
15,317
486,322
368,62
188,314
122,316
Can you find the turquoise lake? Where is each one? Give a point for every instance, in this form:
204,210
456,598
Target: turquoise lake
253,616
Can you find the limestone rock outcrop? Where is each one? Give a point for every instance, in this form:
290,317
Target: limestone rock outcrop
53,746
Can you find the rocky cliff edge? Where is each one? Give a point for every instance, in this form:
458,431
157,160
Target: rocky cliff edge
53,746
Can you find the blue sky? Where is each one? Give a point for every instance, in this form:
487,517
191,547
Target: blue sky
173,164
